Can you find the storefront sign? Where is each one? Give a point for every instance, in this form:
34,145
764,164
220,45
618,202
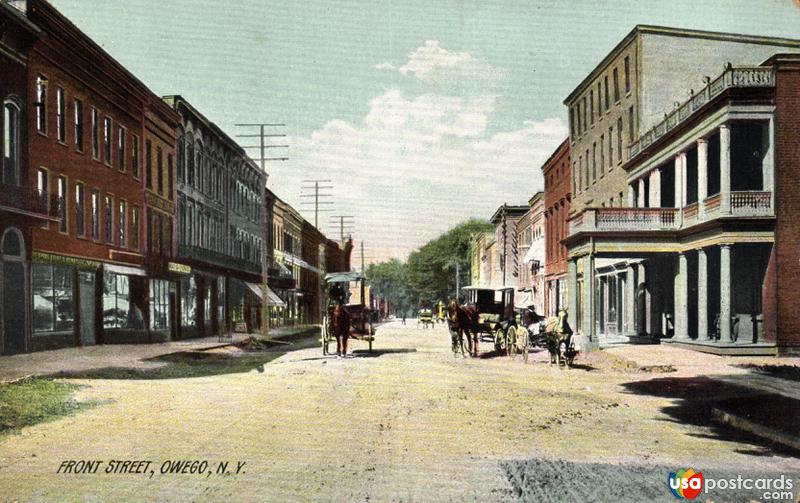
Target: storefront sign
179,268
159,203
51,258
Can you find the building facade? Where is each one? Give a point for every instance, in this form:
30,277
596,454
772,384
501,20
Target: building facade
529,243
699,256
632,89
220,231
22,207
557,197
87,130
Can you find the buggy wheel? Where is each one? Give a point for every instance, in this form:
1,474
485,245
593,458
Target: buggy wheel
499,339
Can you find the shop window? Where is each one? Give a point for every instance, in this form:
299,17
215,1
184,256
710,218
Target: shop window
53,298
118,308
159,304
188,301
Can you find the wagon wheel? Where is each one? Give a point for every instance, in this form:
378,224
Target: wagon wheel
499,339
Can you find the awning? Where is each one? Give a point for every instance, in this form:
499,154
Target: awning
343,277
124,269
272,298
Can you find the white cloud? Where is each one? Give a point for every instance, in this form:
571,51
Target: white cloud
414,167
434,64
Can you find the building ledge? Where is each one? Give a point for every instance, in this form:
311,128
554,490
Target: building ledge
726,348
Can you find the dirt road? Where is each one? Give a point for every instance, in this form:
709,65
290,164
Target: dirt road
409,423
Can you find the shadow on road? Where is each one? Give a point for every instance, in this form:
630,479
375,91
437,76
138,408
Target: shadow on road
189,364
696,398
365,353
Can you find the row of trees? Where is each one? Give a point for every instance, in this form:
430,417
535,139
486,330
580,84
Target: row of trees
429,274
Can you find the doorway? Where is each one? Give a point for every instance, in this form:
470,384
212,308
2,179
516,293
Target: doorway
86,280
14,292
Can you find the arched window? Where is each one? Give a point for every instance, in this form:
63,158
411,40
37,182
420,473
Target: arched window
10,143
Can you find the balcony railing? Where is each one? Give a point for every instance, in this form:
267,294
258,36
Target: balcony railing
217,258
742,204
730,78
27,201
751,203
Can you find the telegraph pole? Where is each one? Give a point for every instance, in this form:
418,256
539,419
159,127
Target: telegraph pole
263,146
505,242
315,186
345,222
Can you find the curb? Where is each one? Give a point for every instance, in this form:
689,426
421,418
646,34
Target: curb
759,430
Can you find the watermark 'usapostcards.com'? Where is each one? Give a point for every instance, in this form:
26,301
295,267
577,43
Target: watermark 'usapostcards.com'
688,484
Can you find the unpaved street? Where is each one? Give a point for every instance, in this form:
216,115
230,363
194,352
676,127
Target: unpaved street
410,423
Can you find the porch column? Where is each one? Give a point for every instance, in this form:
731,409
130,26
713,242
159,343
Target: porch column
631,197
572,292
640,202
589,338
725,169
655,188
643,309
768,162
680,186
655,317
681,295
630,301
702,176
702,295
725,293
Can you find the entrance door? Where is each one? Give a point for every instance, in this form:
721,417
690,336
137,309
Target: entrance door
14,292
87,295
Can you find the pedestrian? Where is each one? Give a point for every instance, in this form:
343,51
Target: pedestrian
404,318
341,327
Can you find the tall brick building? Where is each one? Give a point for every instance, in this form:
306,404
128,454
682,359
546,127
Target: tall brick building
87,139
557,197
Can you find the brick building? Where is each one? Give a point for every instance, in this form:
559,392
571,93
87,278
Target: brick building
22,207
87,130
557,195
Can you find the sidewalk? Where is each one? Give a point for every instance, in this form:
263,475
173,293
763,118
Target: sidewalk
87,358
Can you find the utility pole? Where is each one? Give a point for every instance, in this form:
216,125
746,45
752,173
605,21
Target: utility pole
315,186
263,146
362,258
345,222
457,285
505,242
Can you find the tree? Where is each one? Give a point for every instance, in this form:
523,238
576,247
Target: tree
429,275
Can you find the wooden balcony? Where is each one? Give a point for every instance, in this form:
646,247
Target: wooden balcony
29,202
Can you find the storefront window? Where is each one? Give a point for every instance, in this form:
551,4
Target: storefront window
221,300
118,309
53,298
159,304
207,303
188,301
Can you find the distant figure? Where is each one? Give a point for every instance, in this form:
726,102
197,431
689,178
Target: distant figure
341,327
404,318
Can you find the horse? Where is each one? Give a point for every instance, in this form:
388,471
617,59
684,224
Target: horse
517,338
559,338
463,319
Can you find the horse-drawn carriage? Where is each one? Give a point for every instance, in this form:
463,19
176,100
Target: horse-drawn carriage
495,309
425,318
340,287
491,312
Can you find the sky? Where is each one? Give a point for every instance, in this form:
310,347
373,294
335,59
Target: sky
422,113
